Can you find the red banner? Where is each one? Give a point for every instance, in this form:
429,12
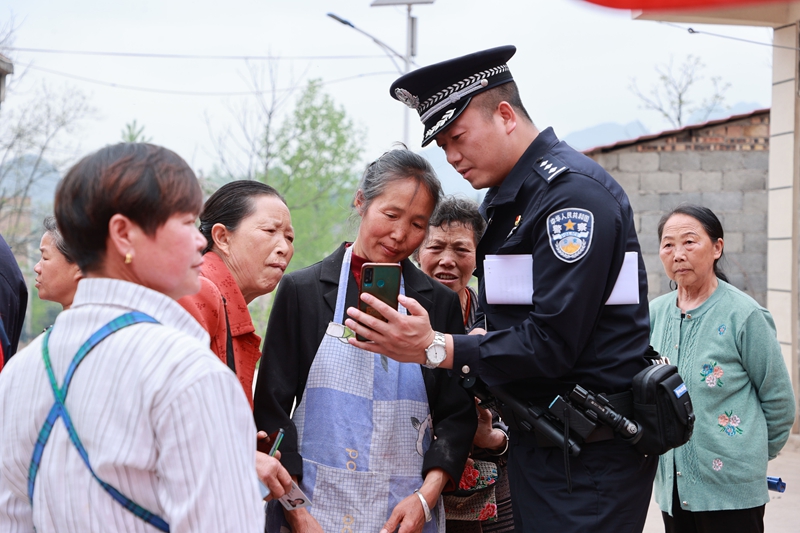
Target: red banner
675,5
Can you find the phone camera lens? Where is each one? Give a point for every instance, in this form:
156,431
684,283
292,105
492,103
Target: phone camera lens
368,276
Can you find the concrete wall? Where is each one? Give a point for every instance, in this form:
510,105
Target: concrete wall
723,167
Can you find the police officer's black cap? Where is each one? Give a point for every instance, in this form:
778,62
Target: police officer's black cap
441,92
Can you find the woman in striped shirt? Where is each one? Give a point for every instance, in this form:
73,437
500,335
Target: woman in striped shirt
120,418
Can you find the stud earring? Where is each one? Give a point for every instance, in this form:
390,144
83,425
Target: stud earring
128,258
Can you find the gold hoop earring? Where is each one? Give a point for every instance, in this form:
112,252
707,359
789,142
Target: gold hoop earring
128,258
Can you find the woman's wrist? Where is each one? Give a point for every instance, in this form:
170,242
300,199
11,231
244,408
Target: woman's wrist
500,441
426,509
432,487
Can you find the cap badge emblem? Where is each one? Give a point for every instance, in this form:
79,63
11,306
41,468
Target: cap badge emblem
407,98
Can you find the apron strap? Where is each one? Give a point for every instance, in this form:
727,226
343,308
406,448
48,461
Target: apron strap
59,410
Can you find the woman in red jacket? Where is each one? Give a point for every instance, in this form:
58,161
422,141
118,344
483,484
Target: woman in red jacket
249,232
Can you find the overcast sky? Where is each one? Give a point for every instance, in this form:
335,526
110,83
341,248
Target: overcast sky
574,61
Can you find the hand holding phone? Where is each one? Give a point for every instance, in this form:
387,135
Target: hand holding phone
381,280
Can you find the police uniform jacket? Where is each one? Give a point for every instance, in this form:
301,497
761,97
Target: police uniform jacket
577,222
303,308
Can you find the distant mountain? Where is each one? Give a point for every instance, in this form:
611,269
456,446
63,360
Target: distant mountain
602,134
737,109
611,132
452,182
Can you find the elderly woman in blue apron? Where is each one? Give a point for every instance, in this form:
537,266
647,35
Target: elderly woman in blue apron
372,443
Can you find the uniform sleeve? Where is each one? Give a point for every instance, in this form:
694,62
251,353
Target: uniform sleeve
13,296
568,297
763,361
206,449
454,417
285,364
206,307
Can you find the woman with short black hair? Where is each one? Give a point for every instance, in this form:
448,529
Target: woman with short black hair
119,414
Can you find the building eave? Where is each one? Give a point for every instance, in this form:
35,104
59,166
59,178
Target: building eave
774,14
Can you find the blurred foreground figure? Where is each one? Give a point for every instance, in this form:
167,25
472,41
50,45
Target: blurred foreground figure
113,419
13,300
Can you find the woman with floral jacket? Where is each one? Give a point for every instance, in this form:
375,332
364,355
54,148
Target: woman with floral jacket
726,349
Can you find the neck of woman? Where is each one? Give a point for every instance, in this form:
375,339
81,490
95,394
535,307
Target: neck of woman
693,296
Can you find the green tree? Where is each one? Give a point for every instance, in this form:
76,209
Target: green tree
309,153
132,133
317,149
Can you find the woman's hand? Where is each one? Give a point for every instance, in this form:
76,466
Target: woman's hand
409,515
487,437
269,469
403,338
272,474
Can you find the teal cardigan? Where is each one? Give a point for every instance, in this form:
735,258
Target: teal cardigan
728,354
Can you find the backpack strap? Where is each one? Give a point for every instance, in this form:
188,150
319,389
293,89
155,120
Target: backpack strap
59,410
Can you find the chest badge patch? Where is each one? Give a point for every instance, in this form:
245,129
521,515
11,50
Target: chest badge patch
570,233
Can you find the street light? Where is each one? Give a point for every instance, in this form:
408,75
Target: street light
411,43
391,52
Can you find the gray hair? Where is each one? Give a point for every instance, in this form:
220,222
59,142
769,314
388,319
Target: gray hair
459,210
395,165
51,227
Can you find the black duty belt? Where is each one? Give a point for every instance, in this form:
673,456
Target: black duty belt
622,403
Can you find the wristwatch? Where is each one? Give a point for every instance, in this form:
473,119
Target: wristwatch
436,352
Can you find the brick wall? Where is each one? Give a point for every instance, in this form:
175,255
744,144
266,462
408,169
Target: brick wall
722,166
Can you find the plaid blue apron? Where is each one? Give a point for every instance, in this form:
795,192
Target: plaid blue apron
363,427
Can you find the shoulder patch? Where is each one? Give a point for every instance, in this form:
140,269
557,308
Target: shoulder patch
549,167
570,233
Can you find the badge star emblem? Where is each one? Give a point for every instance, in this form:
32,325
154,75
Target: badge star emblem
569,225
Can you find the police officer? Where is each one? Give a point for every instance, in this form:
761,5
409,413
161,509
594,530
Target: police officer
551,203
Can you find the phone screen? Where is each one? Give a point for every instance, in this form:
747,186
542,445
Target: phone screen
382,280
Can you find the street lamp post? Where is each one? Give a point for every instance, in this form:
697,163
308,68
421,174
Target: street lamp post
411,43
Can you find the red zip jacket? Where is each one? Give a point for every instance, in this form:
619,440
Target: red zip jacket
218,291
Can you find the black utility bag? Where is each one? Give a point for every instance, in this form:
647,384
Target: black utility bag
663,408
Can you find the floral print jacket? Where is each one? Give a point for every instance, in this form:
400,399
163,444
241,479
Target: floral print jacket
728,354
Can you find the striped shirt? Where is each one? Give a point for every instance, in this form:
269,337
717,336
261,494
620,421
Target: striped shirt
161,418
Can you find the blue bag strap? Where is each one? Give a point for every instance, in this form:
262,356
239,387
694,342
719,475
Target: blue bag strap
59,410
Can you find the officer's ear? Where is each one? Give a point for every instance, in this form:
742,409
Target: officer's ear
507,114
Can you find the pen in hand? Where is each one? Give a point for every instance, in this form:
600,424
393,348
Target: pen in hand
277,443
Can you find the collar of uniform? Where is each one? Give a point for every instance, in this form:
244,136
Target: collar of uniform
129,296
507,191
214,270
